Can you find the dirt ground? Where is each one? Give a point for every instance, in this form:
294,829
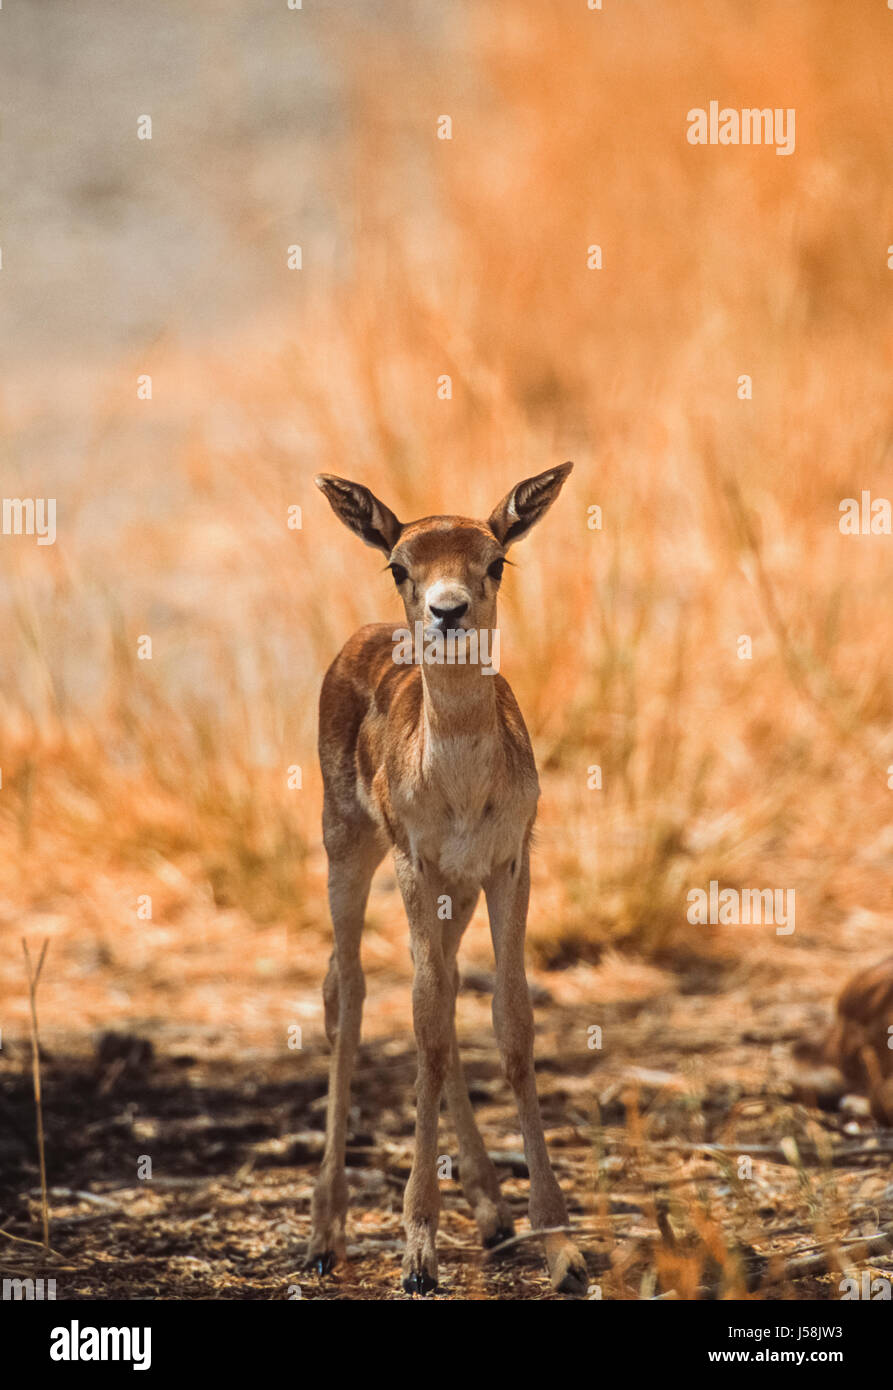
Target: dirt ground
691,1167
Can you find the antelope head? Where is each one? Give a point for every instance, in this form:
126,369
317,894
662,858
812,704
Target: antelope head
447,568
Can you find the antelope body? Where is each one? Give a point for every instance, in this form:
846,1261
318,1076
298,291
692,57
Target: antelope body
433,761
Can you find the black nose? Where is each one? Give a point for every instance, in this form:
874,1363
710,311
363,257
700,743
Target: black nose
449,617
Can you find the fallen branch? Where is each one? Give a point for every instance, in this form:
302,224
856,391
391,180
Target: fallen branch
825,1263
773,1153
93,1199
537,1235
23,1240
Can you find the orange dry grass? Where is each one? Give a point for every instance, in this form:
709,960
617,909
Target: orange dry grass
468,258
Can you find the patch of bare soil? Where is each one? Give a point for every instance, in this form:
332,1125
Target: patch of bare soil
690,1168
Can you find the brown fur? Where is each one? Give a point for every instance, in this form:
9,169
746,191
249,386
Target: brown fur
434,763
855,1053
859,1041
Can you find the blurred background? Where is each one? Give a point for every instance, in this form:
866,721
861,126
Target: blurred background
424,257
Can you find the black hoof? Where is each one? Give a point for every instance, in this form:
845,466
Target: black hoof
499,1238
321,1264
419,1282
575,1282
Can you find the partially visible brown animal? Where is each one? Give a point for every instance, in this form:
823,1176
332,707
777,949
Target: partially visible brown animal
858,1045
433,761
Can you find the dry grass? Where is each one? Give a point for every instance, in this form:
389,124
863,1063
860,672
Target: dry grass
720,515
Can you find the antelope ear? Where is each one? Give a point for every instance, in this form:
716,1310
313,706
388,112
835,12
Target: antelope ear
361,511
526,504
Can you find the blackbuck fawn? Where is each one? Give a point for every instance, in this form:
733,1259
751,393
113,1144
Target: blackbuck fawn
431,758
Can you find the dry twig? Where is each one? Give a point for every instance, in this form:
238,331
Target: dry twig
33,981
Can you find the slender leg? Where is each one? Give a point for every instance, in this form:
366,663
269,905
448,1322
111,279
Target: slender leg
476,1171
507,893
350,877
432,1004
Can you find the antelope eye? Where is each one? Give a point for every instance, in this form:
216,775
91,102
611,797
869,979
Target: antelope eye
400,574
495,570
